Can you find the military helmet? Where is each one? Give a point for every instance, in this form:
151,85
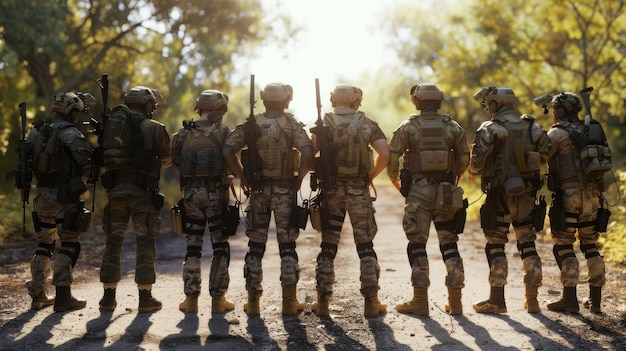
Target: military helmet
211,100
277,92
496,98
424,92
569,101
65,103
141,95
346,94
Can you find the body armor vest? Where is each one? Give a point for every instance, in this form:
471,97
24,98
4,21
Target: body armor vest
201,154
123,145
516,157
51,160
353,158
430,154
274,145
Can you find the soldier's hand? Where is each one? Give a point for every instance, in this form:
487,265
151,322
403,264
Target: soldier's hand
471,178
396,183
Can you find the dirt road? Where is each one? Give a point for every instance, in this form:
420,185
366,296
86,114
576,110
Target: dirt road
346,329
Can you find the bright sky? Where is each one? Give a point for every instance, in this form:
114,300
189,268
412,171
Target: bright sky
340,38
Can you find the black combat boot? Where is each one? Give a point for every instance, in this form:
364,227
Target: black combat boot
108,303
64,300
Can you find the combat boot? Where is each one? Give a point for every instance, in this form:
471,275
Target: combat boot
64,300
219,304
595,299
454,305
419,304
373,307
322,306
567,303
495,303
530,301
291,305
253,308
108,303
147,303
40,301
190,304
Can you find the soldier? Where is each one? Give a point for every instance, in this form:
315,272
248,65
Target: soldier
278,133
577,199
136,147
197,154
352,134
507,153
61,166
435,154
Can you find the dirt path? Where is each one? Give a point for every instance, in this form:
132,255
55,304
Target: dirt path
170,329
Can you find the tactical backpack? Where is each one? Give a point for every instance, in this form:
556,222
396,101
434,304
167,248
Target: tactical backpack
275,145
122,140
354,157
201,154
49,155
431,154
594,155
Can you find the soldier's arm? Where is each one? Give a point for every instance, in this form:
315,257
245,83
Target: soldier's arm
382,157
481,149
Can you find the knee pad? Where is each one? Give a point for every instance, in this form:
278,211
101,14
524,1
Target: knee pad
199,222
288,250
193,251
562,252
415,251
590,250
215,223
45,249
366,250
493,251
255,251
527,249
221,249
328,251
449,251
72,254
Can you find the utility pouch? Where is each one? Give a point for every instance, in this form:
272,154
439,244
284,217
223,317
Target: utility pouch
602,219
459,218
36,222
231,219
158,200
177,213
539,216
488,215
299,215
77,219
405,182
315,212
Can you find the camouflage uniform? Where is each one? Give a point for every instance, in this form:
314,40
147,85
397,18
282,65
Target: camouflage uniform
491,153
204,200
53,200
351,194
421,207
580,202
130,200
275,195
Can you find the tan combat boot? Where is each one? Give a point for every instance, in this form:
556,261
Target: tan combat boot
454,305
219,304
190,304
64,300
253,308
291,305
495,303
594,300
147,303
567,303
419,304
373,307
322,306
530,302
40,301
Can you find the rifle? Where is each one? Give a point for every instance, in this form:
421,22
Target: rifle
325,170
584,94
97,152
252,162
23,173
594,130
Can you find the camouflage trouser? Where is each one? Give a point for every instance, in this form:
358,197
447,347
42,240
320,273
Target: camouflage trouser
352,197
146,222
279,199
580,206
519,211
419,211
201,206
50,212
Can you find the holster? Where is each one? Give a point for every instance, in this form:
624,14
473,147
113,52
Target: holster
299,215
318,213
36,222
231,219
488,213
177,214
158,200
557,212
602,219
459,218
539,215
405,182
77,219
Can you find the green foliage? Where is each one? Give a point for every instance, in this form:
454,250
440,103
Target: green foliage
613,242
